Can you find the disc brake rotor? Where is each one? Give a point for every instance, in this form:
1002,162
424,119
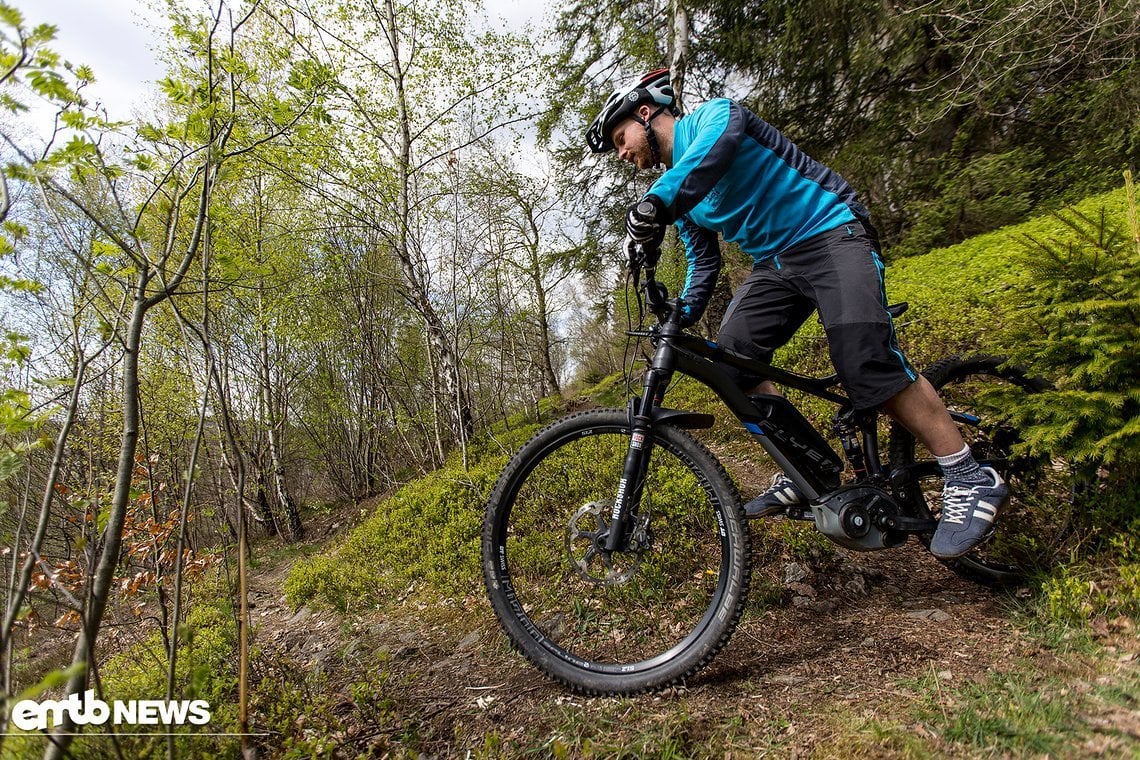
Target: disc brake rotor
585,539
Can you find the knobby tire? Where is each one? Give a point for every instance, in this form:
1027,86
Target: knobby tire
631,621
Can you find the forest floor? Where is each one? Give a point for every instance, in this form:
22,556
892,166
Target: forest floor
884,655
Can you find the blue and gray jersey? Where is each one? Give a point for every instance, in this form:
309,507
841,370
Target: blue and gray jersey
735,174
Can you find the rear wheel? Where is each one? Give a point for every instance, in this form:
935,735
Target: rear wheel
1030,531
626,621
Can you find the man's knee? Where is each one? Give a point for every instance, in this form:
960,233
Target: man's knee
766,387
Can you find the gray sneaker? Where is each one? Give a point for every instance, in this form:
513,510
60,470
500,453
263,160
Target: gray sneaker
968,512
783,493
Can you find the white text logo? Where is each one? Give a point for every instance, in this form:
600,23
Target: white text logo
29,715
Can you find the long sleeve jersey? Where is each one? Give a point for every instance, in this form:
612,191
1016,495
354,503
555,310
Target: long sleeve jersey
735,174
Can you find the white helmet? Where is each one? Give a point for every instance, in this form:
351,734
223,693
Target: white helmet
652,88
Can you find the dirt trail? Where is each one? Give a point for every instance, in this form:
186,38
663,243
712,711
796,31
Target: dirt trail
852,636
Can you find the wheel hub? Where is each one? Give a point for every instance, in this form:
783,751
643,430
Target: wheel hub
586,538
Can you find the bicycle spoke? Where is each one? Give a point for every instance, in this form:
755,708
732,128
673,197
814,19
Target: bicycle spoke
625,612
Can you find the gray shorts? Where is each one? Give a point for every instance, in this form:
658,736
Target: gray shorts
839,273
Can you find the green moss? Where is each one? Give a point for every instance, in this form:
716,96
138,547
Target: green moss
427,534
962,297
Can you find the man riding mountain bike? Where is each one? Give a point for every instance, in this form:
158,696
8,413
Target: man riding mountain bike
729,173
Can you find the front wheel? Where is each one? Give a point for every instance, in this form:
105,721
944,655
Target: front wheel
620,622
1030,531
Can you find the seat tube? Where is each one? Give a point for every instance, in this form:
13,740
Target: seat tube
871,448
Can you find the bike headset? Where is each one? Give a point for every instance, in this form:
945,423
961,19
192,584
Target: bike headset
652,88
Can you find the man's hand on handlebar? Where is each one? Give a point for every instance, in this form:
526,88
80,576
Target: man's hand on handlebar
666,308
638,256
645,222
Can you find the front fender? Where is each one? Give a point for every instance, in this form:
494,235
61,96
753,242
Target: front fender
677,417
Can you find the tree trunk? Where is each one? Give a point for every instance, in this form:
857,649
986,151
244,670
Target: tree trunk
450,371
180,559
295,530
18,588
679,43
546,344
103,579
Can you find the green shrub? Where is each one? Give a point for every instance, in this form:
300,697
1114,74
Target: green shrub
1079,324
206,669
1083,593
426,534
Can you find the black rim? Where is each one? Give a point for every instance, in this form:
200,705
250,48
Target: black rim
499,565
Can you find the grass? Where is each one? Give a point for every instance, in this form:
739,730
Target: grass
1058,704
1020,712
631,728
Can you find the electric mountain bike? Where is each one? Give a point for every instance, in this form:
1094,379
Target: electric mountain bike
615,550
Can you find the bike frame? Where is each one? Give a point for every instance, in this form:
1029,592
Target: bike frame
791,441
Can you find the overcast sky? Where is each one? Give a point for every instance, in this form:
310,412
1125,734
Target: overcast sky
111,36
117,38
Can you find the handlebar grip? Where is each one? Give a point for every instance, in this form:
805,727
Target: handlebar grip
647,209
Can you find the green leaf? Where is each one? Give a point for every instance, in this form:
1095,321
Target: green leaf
150,132
176,90
51,86
15,229
44,33
103,518
73,118
10,464
11,16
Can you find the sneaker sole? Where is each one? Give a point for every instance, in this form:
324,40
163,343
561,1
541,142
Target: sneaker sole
775,509
985,537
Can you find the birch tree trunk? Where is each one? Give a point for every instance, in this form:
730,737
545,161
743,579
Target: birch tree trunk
679,44
274,421
450,372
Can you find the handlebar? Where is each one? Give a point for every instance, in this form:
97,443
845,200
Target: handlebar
646,209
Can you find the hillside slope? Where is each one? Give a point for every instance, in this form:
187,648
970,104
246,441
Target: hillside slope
888,654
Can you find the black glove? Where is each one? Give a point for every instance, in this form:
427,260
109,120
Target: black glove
688,316
646,221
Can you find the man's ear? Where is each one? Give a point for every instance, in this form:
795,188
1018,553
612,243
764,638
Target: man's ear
645,111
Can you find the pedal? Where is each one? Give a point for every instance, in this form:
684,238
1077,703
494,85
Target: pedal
800,512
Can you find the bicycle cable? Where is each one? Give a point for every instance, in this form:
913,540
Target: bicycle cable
632,342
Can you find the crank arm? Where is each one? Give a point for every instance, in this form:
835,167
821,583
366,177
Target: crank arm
907,524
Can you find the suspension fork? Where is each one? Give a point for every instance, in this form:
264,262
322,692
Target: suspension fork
640,446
